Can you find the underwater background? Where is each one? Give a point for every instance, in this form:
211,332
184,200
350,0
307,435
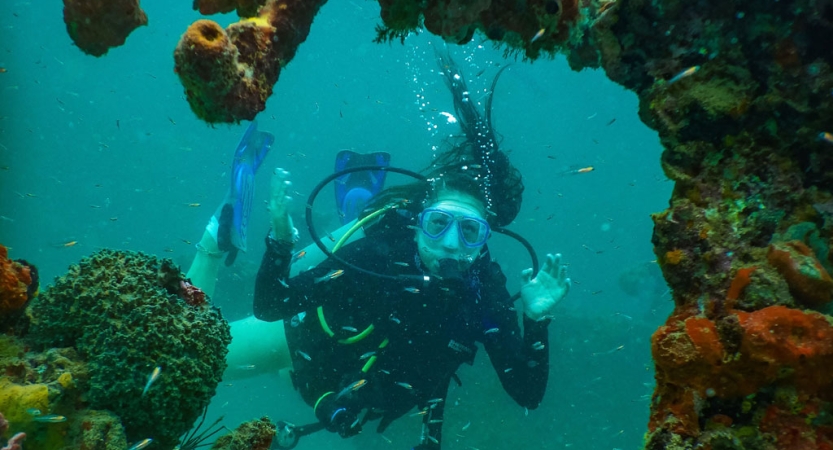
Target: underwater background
105,152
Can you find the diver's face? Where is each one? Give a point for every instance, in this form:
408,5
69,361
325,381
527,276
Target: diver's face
452,229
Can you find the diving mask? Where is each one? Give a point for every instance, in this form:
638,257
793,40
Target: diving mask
436,222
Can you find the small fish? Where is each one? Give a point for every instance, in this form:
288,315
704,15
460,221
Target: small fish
186,241
508,370
412,290
304,355
400,263
152,378
395,320
538,346
609,351
386,439
298,255
366,355
491,330
332,275
404,385
420,413
435,421
466,426
194,205
435,400
350,329
432,439
537,35
3,70
247,367
172,121
141,444
50,418
684,74
352,387
69,244
33,412
826,137
580,170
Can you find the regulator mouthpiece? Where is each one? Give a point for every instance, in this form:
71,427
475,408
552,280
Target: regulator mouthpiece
449,270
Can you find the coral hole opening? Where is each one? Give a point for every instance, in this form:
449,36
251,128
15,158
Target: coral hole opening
210,32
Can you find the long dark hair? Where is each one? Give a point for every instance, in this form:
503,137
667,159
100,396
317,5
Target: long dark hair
473,162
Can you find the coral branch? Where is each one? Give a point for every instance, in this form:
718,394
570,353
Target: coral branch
15,443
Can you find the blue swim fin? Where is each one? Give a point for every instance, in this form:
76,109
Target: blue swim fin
233,214
354,190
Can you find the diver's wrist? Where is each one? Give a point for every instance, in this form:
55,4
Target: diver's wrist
281,245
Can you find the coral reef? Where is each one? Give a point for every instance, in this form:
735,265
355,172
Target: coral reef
98,25
124,314
533,27
252,435
740,96
52,382
228,74
18,285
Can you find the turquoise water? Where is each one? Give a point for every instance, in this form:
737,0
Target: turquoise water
106,152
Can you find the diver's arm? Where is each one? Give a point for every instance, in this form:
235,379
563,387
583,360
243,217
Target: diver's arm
521,360
271,281
277,296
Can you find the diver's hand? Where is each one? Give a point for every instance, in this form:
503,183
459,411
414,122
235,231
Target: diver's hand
542,293
279,203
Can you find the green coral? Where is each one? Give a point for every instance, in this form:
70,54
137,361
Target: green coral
123,313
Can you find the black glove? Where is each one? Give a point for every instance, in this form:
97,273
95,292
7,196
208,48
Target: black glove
339,415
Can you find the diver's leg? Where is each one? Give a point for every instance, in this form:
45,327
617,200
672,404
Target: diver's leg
257,347
206,264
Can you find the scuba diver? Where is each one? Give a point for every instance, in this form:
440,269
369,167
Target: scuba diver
379,323
382,325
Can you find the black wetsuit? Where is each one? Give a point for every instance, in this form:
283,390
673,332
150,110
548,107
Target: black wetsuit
420,333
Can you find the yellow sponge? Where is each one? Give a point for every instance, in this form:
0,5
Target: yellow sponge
15,399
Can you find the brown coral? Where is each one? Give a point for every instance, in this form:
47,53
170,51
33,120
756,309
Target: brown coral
97,25
228,74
